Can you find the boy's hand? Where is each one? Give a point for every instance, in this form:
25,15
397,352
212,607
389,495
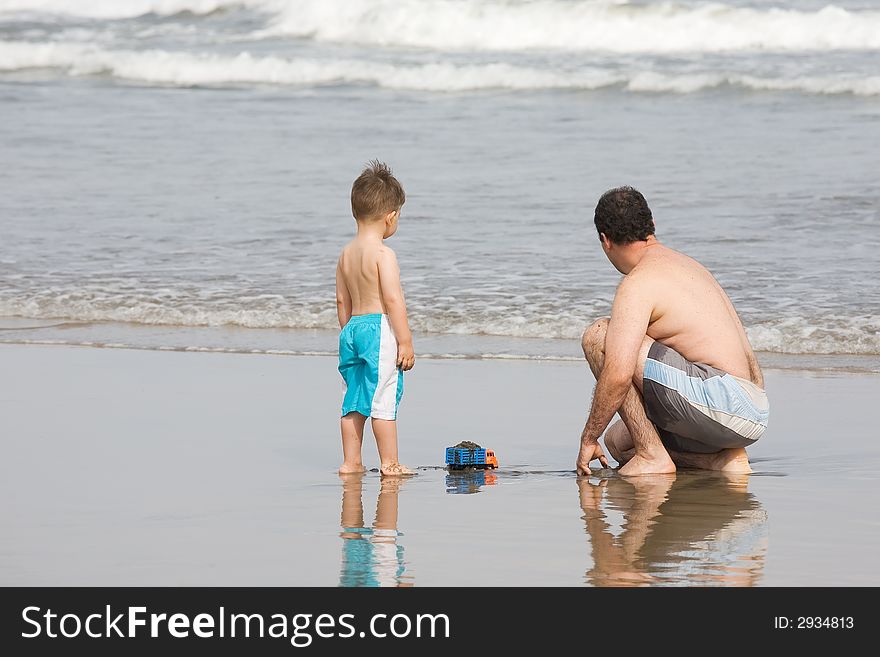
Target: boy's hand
406,358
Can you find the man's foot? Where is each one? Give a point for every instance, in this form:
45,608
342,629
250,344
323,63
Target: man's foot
396,470
729,461
351,468
644,465
732,461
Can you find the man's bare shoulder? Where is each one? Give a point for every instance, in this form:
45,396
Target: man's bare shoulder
665,262
645,277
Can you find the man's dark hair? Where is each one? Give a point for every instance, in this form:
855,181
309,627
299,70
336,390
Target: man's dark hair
624,216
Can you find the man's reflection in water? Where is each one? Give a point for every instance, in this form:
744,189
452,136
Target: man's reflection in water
371,556
688,528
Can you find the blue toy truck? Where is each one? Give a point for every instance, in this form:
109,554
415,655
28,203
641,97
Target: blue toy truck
479,458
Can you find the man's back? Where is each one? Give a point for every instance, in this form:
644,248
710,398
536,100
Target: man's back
692,313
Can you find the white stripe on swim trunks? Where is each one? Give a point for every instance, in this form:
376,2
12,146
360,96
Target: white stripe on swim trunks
385,398
720,398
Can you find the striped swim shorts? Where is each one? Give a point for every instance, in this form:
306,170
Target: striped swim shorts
698,408
368,365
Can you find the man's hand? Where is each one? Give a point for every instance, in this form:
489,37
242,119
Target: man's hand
406,357
590,452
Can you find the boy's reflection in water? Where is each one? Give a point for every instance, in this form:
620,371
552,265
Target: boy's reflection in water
371,556
692,529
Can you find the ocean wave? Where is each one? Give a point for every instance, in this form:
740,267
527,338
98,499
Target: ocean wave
267,312
120,9
695,82
513,25
275,352
182,69
187,69
499,25
827,334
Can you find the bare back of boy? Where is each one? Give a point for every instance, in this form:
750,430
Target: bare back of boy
359,268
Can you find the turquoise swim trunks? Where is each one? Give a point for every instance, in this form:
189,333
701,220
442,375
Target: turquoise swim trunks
368,365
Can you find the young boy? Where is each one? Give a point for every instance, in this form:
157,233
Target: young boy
375,345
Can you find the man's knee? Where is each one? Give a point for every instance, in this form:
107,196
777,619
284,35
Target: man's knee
593,340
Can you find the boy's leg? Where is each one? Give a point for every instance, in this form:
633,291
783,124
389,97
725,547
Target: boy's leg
352,504
386,442
352,426
386,505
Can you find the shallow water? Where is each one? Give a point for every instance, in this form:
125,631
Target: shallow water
687,529
161,468
193,167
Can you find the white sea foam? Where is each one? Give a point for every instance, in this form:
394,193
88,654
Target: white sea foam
186,69
114,308
826,335
118,9
160,67
499,25
690,83
510,25
834,334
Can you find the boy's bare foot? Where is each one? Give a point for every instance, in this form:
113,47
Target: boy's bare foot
396,470
352,468
651,464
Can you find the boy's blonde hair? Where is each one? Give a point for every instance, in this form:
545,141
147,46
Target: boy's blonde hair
376,192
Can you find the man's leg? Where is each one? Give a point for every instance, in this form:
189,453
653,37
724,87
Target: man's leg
619,443
734,461
618,438
650,456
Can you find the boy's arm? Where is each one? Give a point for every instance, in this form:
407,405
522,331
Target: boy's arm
395,306
343,298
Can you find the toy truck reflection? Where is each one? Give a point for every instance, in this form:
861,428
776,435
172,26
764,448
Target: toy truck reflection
459,458
468,481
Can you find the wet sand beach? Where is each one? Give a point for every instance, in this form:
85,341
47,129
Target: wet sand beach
126,467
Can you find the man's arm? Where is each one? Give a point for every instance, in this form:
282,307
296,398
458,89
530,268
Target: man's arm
343,297
395,306
630,315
